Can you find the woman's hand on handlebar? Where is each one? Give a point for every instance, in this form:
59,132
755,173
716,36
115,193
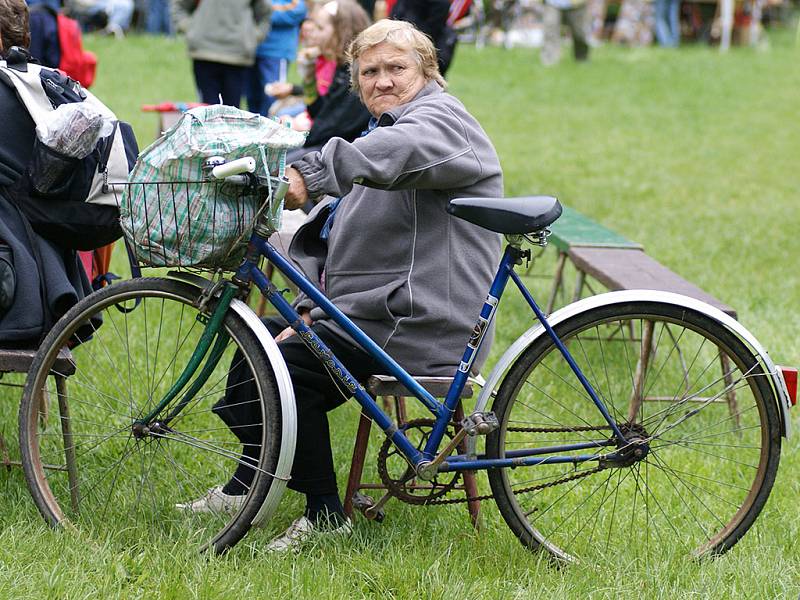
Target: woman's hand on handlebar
289,332
297,194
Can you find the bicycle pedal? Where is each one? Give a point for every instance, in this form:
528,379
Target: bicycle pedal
480,423
364,503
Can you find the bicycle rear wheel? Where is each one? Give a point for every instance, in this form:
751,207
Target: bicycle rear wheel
85,463
674,381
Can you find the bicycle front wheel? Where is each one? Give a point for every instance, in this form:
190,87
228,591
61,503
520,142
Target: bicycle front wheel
695,406
90,465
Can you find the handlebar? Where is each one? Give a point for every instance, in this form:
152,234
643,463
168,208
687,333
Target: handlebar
234,167
241,172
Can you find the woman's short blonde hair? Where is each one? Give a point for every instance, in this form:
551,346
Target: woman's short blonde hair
403,36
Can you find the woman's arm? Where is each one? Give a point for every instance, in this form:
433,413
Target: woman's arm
290,14
432,147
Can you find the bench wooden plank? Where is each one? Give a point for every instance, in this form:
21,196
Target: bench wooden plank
19,361
575,229
627,269
386,385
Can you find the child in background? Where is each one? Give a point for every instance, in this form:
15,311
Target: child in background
314,69
274,54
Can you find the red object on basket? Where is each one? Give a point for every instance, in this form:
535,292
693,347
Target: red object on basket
171,106
790,378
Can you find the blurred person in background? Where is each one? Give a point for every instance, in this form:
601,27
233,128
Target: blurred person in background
112,17
44,45
368,6
290,105
430,17
275,53
668,25
222,37
158,19
574,13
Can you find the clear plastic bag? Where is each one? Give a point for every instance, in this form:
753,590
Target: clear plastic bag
74,129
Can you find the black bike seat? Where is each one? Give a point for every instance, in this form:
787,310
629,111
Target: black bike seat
508,215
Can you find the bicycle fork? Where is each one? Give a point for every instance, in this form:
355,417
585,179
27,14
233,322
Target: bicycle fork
212,338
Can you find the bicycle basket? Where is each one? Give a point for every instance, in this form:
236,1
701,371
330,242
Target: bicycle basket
173,216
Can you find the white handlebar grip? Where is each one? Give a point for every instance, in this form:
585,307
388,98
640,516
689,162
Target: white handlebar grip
234,167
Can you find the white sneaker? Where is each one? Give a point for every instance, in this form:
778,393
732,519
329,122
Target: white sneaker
302,530
215,501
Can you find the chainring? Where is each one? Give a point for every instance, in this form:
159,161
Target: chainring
399,477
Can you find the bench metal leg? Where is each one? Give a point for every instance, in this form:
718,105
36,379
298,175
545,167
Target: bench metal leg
730,395
44,406
357,464
579,281
400,410
470,479
558,279
69,444
646,349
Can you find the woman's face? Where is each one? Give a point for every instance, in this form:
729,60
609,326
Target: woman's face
388,77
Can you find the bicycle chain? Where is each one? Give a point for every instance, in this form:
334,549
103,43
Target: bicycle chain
397,490
559,429
526,490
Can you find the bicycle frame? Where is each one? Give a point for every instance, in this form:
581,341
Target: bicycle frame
442,411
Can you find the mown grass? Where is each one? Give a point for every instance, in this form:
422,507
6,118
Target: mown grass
689,152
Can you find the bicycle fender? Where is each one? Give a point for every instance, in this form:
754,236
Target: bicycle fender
780,393
285,391
288,410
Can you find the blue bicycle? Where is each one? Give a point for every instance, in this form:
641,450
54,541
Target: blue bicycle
634,420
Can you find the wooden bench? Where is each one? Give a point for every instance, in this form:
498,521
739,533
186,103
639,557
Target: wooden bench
394,394
19,361
612,260
620,264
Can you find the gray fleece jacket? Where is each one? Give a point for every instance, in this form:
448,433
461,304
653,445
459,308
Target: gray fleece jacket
411,275
223,31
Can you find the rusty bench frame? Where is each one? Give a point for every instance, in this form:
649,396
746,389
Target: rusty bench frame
394,394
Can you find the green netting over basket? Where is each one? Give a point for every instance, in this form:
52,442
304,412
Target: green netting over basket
173,216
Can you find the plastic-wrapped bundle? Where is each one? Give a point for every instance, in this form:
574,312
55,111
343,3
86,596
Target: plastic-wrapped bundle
64,137
74,129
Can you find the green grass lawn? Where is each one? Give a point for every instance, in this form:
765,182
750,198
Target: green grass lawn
689,152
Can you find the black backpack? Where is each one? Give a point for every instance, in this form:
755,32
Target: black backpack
79,210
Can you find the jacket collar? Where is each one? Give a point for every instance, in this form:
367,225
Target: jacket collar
390,116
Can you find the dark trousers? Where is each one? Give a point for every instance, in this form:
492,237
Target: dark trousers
315,394
217,79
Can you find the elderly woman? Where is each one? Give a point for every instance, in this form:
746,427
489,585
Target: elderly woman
384,248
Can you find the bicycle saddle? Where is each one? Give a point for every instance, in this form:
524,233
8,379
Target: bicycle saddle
508,215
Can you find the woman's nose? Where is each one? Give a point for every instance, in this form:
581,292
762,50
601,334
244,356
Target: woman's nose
384,81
